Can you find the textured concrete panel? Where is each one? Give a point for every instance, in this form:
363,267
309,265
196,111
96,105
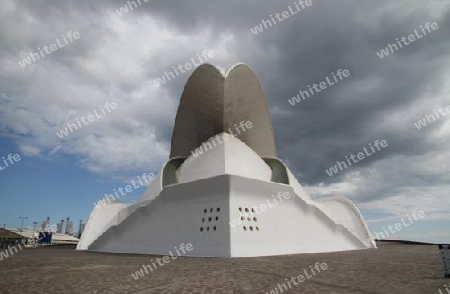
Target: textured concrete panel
211,104
199,115
245,101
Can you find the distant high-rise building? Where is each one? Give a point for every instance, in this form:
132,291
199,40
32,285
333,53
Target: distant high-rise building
69,227
80,228
45,226
61,226
80,231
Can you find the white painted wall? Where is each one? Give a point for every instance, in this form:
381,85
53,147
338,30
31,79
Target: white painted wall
100,220
229,176
290,227
231,157
175,217
346,213
154,188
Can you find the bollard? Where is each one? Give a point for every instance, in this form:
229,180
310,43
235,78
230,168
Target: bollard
445,257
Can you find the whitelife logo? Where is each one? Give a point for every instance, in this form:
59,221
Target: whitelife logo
323,85
109,198
165,260
286,286
262,207
35,56
225,136
423,123
360,155
183,68
281,16
90,118
11,158
397,227
411,38
124,9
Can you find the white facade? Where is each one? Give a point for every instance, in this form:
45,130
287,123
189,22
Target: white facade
228,201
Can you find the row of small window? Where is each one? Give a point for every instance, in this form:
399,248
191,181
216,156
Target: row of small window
211,210
207,229
246,209
250,228
209,219
215,228
249,219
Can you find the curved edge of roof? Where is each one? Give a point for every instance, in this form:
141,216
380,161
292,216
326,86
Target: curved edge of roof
208,65
216,68
209,71
244,67
357,212
236,65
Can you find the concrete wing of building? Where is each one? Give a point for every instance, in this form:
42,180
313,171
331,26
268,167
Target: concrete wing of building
212,104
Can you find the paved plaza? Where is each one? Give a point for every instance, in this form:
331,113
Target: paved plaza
393,268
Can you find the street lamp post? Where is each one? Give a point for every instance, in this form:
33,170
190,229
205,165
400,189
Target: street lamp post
34,230
23,219
34,235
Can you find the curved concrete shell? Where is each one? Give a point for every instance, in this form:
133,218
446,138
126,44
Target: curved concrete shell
212,104
199,113
244,100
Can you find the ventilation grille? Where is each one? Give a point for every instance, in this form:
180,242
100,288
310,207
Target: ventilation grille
210,219
248,219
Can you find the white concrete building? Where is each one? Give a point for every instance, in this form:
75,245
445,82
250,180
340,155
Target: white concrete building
237,198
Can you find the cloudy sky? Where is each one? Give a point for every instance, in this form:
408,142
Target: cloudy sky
116,58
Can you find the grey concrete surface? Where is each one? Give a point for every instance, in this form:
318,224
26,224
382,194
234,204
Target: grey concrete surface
393,268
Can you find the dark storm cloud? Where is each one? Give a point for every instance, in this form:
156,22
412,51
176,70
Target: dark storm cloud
328,36
344,118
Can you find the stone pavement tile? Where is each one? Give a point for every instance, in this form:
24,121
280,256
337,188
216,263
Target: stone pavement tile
393,268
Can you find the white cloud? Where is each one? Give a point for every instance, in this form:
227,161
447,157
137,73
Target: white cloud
28,150
397,185
121,61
